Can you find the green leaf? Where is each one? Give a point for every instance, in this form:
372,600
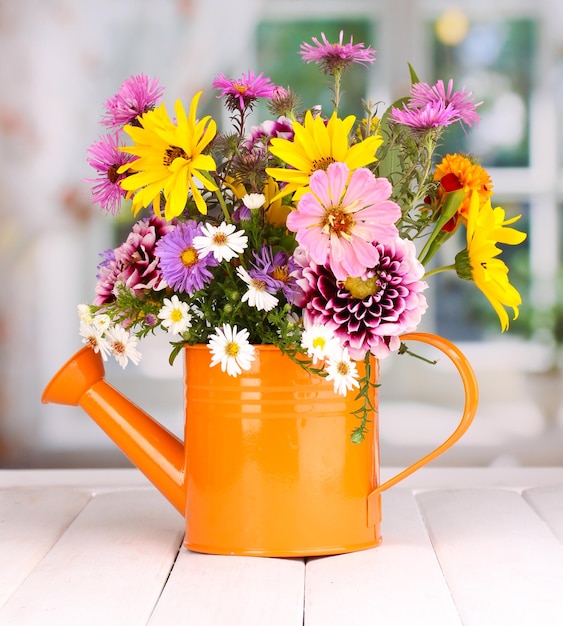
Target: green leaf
414,77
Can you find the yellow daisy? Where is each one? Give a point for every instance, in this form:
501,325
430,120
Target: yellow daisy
485,228
170,159
315,146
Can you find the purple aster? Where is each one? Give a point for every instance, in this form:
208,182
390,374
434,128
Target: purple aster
181,264
106,158
336,57
137,95
243,92
277,270
435,106
134,263
368,313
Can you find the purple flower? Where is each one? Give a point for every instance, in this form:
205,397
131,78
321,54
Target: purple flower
243,92
336,56
106,158
277,271
182,266
432,107
134,264
137,95
370,312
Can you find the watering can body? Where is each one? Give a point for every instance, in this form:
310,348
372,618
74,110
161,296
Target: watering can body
267,466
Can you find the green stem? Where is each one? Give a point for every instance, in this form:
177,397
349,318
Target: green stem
223,205
437,270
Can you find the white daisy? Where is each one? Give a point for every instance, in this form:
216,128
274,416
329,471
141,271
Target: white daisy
102,321
94,337
224,241
254,200
342,370
319,341
175,315
85,313
231,349
257,294
123,346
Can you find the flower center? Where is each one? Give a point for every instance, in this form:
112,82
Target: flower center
258,284
319,342
189,257
113,176
361,288
92,341
242,89
176,315
281,273
343,368
118,347
321,164
172,153
220,239
232,349
338,221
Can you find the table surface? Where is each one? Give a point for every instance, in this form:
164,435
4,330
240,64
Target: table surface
460,546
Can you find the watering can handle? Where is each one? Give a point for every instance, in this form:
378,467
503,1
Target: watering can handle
471,399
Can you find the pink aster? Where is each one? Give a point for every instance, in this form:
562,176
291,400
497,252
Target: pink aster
336,56
243,92
137,95
434,106
106,158
341,217
368,313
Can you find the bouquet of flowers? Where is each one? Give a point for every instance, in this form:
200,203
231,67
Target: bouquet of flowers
311,231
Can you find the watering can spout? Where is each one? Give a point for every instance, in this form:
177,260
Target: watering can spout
147,444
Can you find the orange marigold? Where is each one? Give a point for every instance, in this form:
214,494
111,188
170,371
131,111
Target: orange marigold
460,172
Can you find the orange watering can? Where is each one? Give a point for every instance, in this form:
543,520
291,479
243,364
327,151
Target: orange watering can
267,466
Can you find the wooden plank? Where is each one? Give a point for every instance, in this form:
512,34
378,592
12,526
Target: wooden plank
502,564
206,589
398,582
31,522
548,503
108,568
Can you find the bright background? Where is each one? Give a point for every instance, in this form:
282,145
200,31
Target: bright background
61,59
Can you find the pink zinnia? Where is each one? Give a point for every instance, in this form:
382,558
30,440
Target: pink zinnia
137,95
336,56
106,158
243,92
369,313
341,217
435,106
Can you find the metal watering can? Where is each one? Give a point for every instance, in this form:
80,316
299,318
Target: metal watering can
266,467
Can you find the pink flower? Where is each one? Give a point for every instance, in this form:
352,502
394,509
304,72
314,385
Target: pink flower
243,92
106,159
336,56
341,217
137,95
134,264
368,313
432,107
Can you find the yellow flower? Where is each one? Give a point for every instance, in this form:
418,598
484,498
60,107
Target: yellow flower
459,172
170,158
314,147
485,228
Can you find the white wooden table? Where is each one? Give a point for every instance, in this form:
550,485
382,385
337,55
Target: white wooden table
460,546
